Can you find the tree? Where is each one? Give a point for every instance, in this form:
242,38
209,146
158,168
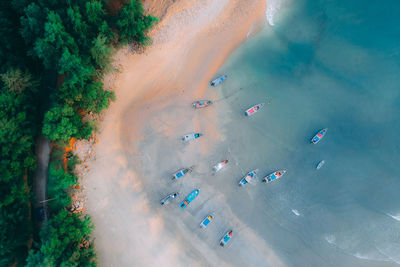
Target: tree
132,24
16,80
62,240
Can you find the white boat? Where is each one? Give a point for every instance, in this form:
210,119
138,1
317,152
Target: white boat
273,176
191,136
220,165
319,136
206,220
168,198
219,80
182,172
225,239
250,176
320,164
254,109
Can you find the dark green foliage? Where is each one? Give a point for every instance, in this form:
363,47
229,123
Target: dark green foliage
62,122
17,137
44,38
58,181
132,24
61,239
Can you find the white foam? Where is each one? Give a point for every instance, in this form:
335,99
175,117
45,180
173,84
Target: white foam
250,31
331,239
273,7
296,212
396,217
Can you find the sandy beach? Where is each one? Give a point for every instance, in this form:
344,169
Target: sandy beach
139,144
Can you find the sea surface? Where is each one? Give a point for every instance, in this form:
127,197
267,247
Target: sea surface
320,64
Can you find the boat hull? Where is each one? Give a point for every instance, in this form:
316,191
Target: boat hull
319,136
168,198
219,80
253,109
250,176
226,238
274,176
189,199
220,165
202,104
191,136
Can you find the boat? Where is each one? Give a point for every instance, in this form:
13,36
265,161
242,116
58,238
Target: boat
182,172
189,199
320,164
191,136
319,136
206,221
220,165
219,80
254,109
168,198
202,104
250,176
225,239
274,176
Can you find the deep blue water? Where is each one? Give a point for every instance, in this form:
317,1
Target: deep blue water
331,64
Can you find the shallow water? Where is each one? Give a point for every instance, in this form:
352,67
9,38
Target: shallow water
324,64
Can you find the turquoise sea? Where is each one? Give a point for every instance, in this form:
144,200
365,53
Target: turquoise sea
324,64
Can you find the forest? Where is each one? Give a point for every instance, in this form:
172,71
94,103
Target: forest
53,57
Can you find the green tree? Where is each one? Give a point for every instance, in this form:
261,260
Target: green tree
16,80
132,24
61,241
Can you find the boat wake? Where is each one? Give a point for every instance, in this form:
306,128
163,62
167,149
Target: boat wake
331,239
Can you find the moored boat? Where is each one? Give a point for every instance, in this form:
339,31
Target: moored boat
250,176
219,80
182,172
168,198
202,104
273,176
191,136
220,165
225,239
206,221
320,164
189,198
254,109
319,136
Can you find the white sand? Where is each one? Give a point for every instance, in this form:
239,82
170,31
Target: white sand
139,146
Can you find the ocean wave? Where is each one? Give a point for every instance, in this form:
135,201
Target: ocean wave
331,239
273,7
296,212
396,217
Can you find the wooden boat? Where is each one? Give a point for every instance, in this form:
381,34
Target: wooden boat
250,176
225,239
220,165
219,80
202,104
254,109
319,136
206,221
191,136
320,164
189,198
274,176
182,172
168,198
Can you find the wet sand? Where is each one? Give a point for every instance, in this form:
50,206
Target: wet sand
139,145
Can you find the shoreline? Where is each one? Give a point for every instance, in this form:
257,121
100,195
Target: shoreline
154,90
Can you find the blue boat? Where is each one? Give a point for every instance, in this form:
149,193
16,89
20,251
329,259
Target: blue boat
206,221
182,172
189,199
319,136
168,198
202,104
250,176
274,176
225,239
219,80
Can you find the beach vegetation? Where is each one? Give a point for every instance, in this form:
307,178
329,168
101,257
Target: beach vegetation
54,55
